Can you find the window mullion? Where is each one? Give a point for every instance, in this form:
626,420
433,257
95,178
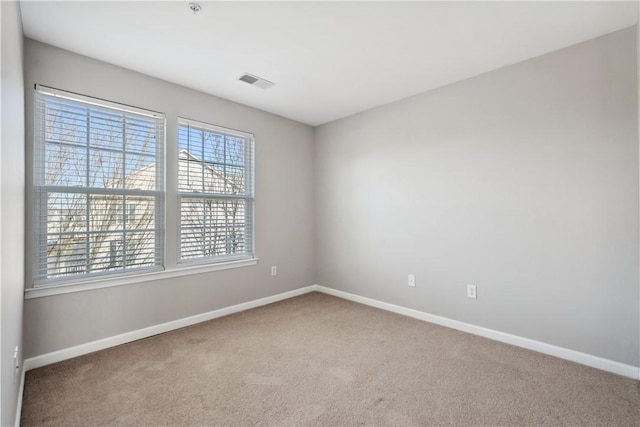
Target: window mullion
206,247
125,243
202,164
87,255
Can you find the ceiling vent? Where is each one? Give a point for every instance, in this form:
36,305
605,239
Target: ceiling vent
256,81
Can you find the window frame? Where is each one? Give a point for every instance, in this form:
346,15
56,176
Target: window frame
41,189
248,196
170,268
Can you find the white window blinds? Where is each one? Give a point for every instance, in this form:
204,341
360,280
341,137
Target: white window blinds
215,192
99,187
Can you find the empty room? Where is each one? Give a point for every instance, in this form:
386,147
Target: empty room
319,213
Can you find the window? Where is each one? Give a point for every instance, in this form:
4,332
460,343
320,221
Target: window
215,192
99,187
129,214
117,255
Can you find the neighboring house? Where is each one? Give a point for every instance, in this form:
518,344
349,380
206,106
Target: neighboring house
209,226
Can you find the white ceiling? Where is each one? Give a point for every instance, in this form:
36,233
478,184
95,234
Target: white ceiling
328,59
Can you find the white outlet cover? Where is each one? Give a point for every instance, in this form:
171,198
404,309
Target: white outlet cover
471,291
411,280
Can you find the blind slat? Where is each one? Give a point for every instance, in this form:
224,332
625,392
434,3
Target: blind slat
215,192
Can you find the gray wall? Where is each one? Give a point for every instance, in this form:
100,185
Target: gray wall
11,206
522,181
284,215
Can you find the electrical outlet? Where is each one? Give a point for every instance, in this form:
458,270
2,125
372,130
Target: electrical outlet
16,365
274,270
15,358
471,291
411,281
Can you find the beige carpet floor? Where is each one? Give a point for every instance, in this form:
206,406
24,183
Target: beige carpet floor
320,360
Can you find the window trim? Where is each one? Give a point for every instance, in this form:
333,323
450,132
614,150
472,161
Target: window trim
139,277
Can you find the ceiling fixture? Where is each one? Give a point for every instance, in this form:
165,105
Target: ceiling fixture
195,8
256,81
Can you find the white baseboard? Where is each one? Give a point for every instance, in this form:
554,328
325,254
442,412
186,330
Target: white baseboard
90,347
20,392
552,350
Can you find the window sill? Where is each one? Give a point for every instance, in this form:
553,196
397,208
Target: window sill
108,282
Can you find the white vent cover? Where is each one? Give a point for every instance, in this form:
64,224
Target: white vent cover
256,81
